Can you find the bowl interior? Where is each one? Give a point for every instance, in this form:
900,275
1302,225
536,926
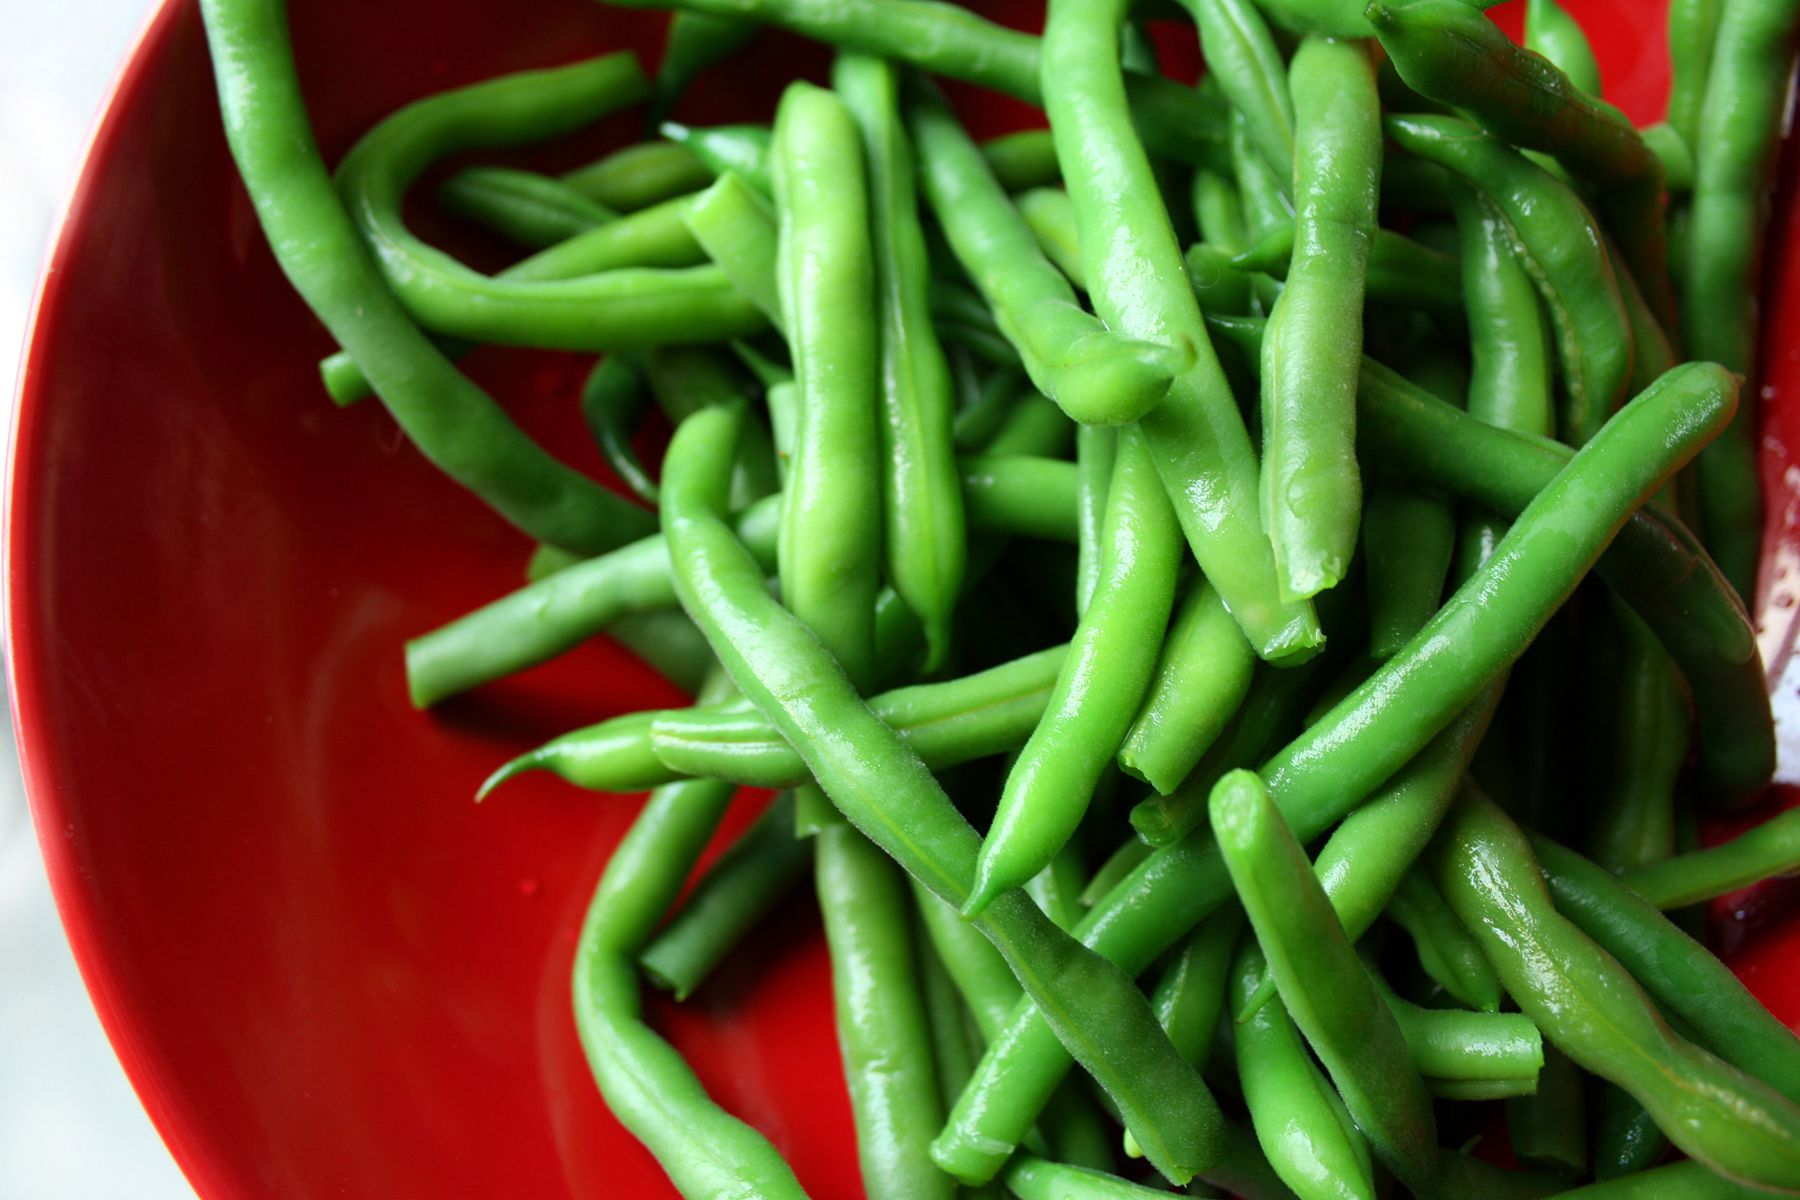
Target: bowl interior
326,971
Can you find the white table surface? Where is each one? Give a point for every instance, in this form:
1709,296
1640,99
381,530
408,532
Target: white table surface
70,1126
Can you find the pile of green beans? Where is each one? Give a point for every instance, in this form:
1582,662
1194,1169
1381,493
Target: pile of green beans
1114,542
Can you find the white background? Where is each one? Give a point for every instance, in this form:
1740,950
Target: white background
70,1126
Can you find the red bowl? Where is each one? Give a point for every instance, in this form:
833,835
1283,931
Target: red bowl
325,970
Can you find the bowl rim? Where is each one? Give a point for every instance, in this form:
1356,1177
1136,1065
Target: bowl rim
145,1068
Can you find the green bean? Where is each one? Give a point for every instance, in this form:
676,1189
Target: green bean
990,712
1335,18
525,208
1096,447
946,39
1117,866
1451,1045
830,544
1311,486
1322,983
759,869
1274,702
1451,53
1191,994
954,1043
1689,1180
1590,1008
1740,124
639,176
1112,658
1034,428
1050,216
924,540
1095,376
1561,247
1553,33
1548,1128
1340,760
1400,271
1241,54
890,795
1265,195
1219,283
1680,973
982,416
652,237
666,640
696,42
742,150
1509,351
1655,563
1482,1090
1136,282
1677,159
1219,212
1634,819
648,1087
623,309
1032,1178
1626,1139
736,228
1299,1120
1408,537
1201,678
1022,160
612,402
1771,848
1021,495
1244,1171
1446,951
882,1027
1693,28
452,422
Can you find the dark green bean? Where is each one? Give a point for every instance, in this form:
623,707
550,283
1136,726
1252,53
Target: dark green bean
1655,564
1400,271
1561,247
734,894
1693,28
1680,973
1548,1129
1740,125
1242,55
613,401
1634,817
1689,1180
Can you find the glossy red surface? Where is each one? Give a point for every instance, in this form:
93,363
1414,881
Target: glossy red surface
326,971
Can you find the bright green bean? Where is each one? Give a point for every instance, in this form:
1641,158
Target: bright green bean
891,795
1111,660
525,208
1311,485
1136,281
1201,678
924,539
1771,848
759,869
